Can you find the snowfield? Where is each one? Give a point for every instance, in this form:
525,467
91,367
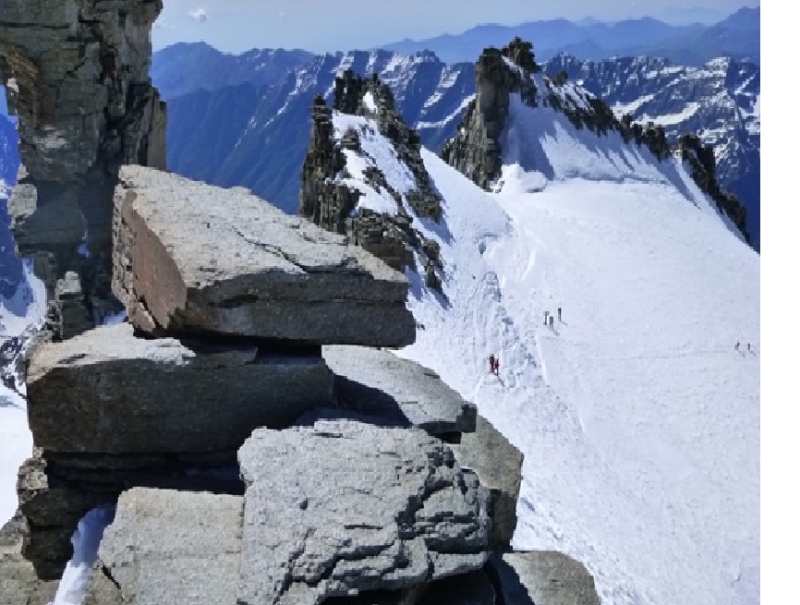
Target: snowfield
18,315
638,419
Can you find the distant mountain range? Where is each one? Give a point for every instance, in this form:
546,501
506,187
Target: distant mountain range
187,67
255,132
737,36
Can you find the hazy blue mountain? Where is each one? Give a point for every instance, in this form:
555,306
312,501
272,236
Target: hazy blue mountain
691,44
187,67
679,15
737,37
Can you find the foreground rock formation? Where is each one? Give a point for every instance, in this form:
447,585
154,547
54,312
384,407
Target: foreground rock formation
379,383
543,578
77,76
325,471
200,567
314,528
83,398
18,580
184,262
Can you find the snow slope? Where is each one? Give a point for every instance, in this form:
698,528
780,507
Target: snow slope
22,305
16,442
17,445
638,420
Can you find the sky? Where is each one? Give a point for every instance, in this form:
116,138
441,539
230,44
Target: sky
331,25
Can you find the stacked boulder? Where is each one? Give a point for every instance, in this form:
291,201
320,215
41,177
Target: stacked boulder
246,419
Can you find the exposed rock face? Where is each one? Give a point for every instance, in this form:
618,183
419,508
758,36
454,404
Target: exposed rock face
475,150
106,391
380,383
91,102
186,262
498,465
166,546
329,195
56,491
543,578
51,512
19,584
83,110
325,203
314,528
704,172
718,101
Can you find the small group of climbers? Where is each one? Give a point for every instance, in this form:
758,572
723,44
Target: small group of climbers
494,360
549,318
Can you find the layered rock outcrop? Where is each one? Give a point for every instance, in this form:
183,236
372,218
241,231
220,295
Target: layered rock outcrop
379,383
186,263
83,398
77,77
375,502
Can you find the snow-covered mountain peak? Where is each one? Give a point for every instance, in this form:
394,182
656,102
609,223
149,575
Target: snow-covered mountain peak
523,121
364,177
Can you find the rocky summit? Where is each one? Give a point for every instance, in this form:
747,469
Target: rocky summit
347,169
247,454
185,262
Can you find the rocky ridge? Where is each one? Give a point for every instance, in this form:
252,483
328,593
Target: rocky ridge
345,171
718,102
231,136
476,152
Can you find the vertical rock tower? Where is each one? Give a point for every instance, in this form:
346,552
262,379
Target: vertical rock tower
76,72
